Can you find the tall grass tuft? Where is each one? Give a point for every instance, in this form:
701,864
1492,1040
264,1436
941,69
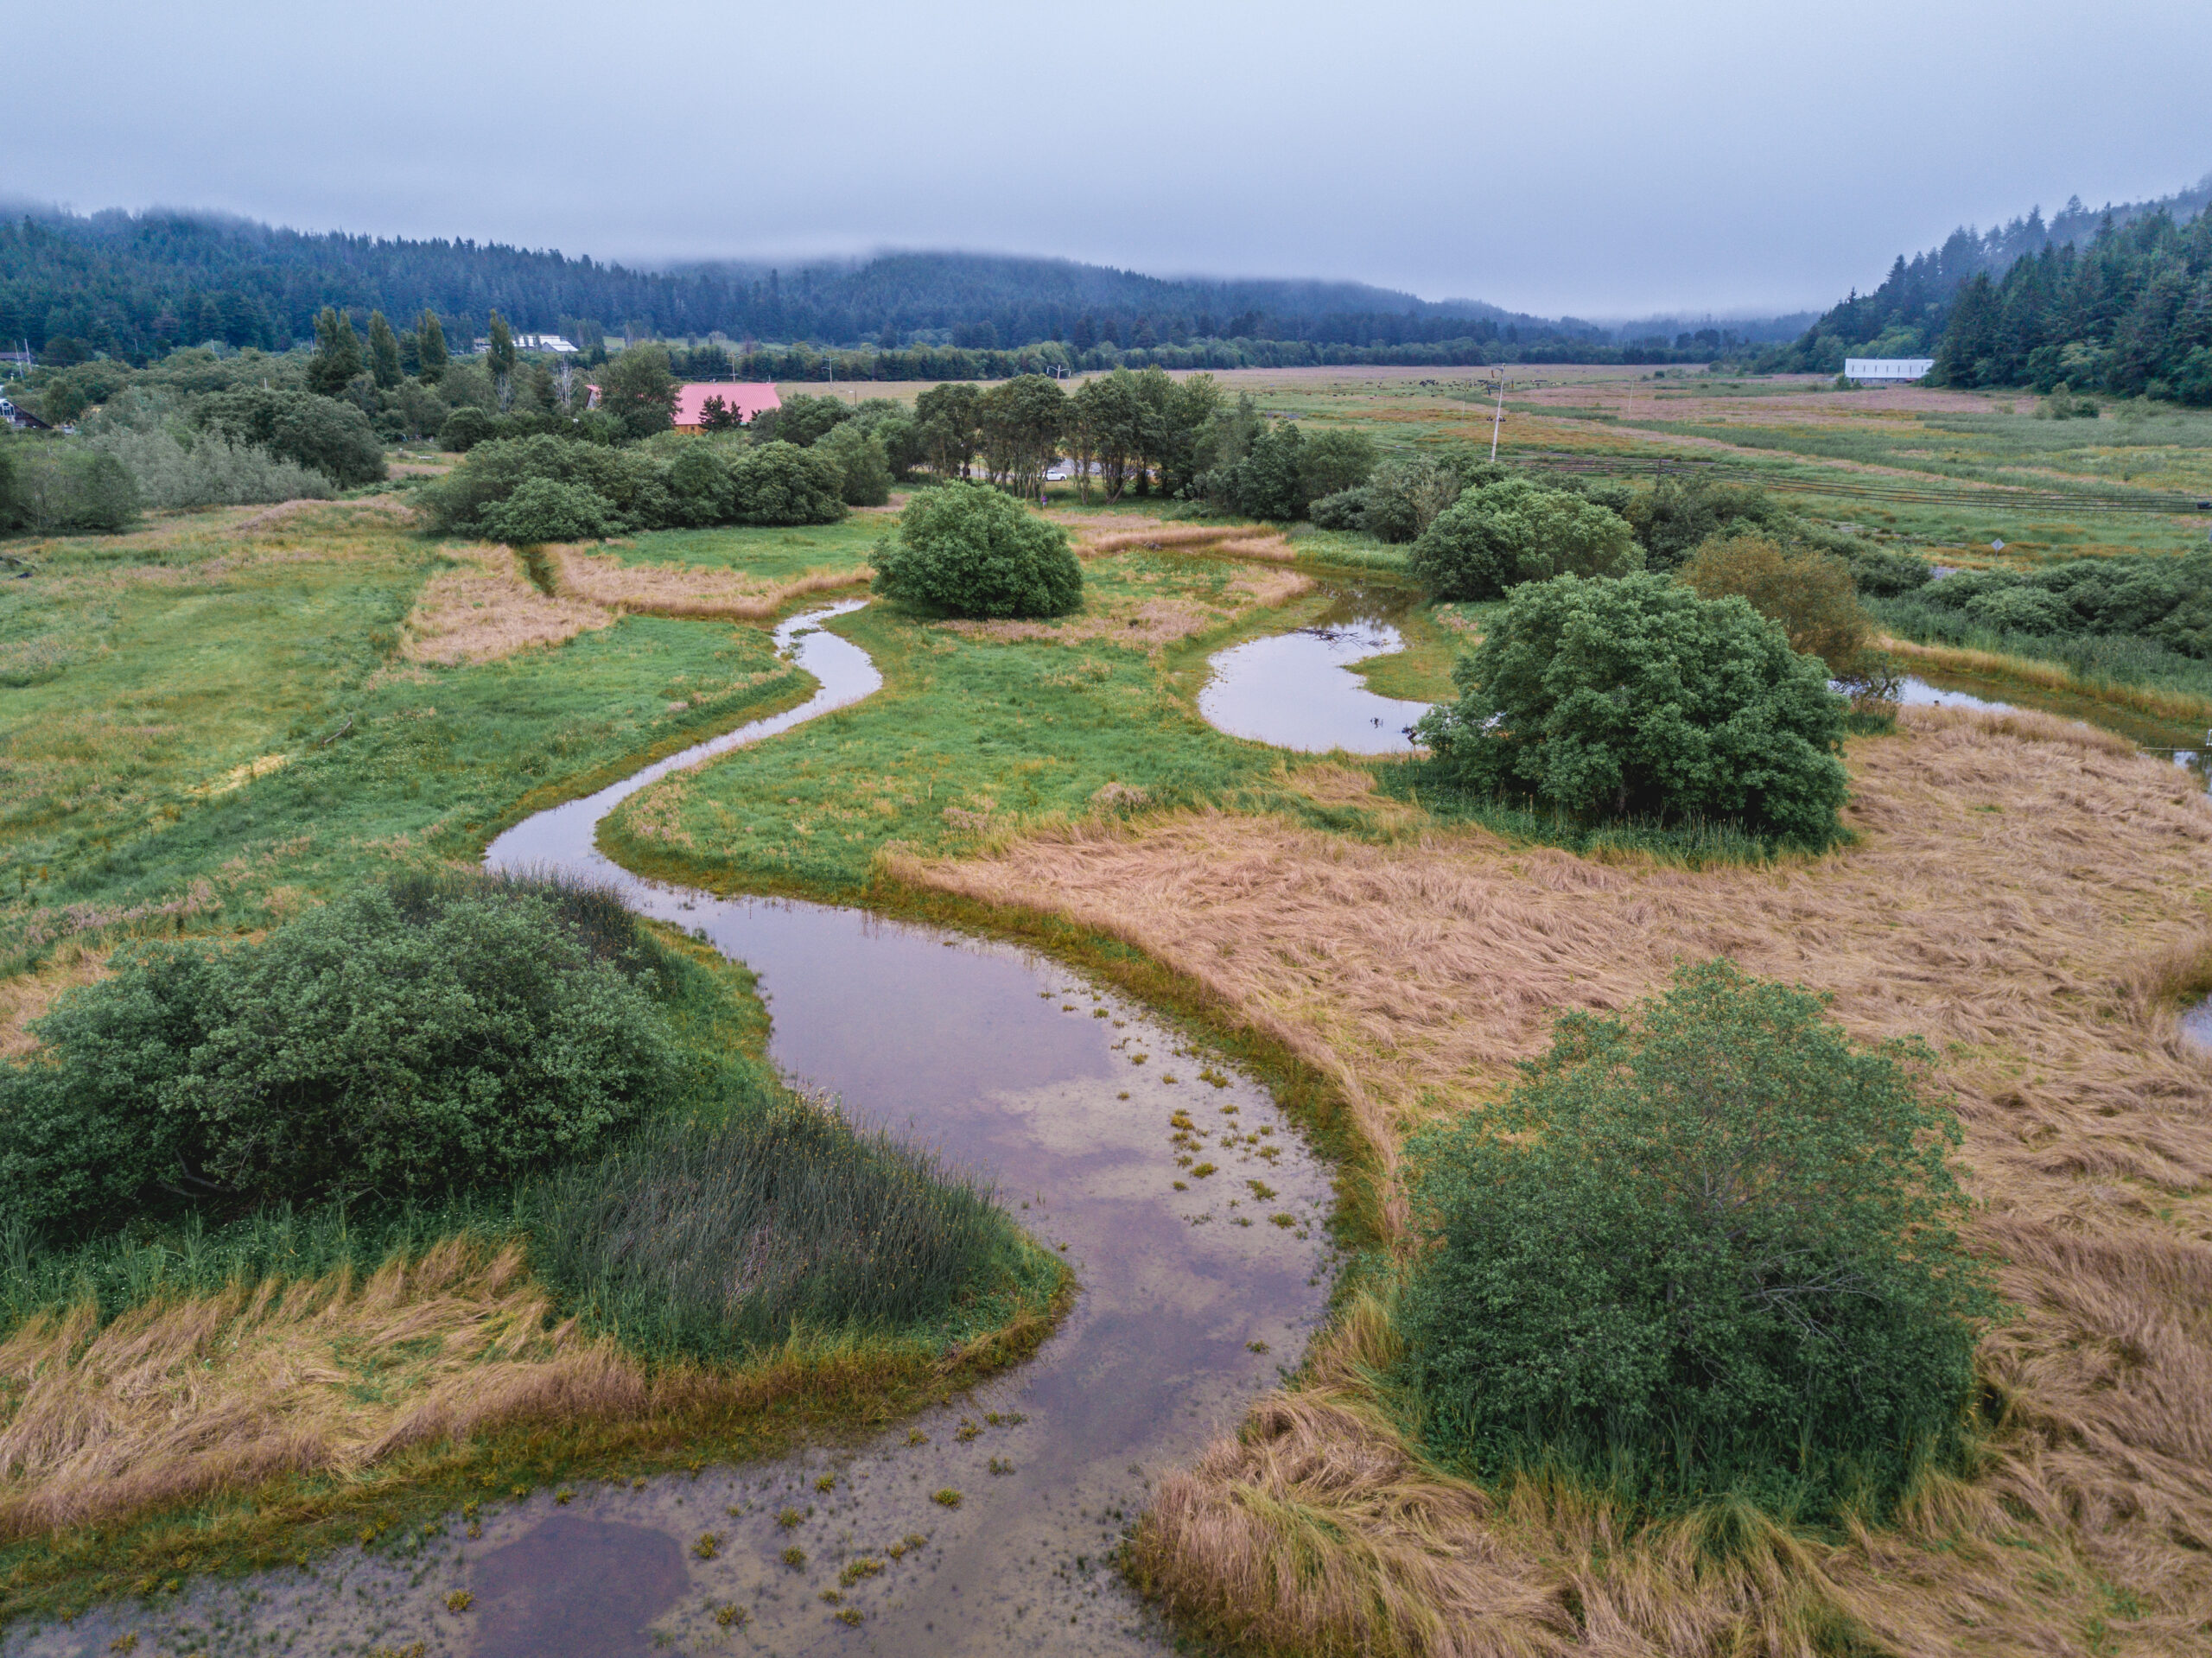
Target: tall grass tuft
713,1238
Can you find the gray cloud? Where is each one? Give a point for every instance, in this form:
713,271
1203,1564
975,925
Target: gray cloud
1605,158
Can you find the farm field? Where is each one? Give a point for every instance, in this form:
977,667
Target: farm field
220,722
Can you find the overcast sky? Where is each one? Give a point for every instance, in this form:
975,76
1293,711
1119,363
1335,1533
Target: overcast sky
1601,158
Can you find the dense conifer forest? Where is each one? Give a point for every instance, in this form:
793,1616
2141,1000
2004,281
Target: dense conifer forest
136,287
2116,300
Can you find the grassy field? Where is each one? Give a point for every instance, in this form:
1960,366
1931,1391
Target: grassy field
211,725
214,723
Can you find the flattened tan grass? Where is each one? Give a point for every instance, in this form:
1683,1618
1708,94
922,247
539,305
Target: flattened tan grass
486,608
682,590
27,996
2032,895
1258,540
181,1401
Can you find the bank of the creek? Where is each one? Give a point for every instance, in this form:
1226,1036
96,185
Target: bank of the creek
1200,1274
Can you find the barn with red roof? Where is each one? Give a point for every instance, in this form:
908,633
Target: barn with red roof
745,398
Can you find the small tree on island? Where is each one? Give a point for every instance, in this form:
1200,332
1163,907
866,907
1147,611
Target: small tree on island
1637,700
968,550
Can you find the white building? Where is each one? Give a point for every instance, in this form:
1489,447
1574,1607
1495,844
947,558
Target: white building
1886,369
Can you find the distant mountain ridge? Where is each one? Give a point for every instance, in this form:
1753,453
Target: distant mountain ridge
136,285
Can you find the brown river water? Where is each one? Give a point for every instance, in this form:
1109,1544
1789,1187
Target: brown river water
1010,1065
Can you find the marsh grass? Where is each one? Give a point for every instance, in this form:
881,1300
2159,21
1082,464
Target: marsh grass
193,649
2133,673
1995,852
1695,845
715,1239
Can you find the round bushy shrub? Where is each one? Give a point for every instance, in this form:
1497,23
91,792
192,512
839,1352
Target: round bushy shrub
1708,1247
464,428
2019,610
1404,497
969,550
545,509
863,469
1635,699
384,1046
780,483
1512,532
1810,593
1345,510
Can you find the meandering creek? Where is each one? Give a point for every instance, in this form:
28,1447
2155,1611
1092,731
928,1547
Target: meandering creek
1195,1288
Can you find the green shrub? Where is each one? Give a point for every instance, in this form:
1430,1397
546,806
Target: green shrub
1404,497
65,485
1635,699
465,429
392,1045
1810,593
969,550
1880,575
1706,1248
780,483
213,471
545,509
2157,599
1335,459
1345,510
1516,530
633,483
700,482
711,1237
333,436
1674,516
863,469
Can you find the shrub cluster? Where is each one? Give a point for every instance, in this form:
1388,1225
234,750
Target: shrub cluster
52,485
332,436
968,549
396,1044
208,468
2159,598
1704,1249
1635,698
547,488
1502,534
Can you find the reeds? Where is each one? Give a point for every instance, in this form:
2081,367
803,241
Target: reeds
2080,678
2024,893
713,1240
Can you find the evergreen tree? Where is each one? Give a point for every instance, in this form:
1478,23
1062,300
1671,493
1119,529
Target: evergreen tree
337,357
383,352
430,344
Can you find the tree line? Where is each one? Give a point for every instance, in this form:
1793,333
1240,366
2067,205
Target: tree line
137,287
2111,301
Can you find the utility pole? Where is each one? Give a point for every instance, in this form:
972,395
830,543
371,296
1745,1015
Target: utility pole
1498,419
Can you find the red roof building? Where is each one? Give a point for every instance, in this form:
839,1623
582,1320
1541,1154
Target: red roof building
746,398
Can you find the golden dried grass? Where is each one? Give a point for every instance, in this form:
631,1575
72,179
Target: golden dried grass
179,1401
2027,893
684,590
486,608
1258,540
27,996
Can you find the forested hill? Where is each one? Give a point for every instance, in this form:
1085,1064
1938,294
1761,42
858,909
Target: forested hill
136,285
2118,279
